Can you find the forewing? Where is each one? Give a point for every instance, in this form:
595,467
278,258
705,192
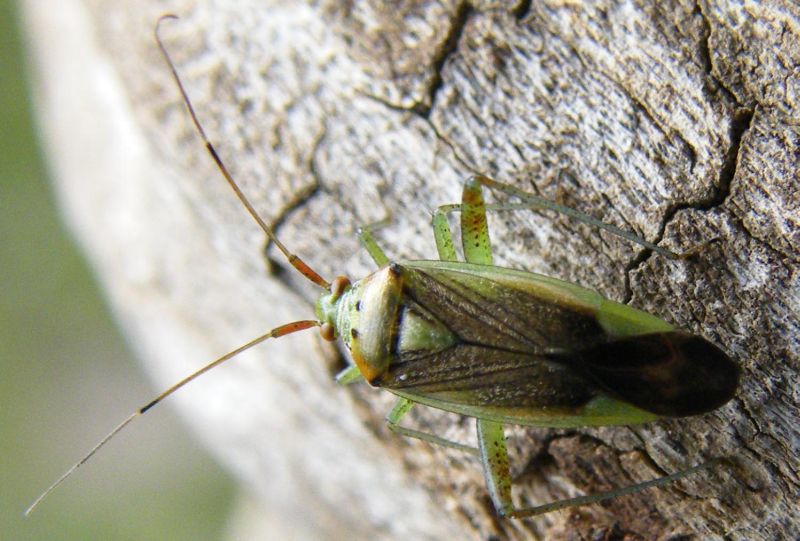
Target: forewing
504,314
476,375
500,339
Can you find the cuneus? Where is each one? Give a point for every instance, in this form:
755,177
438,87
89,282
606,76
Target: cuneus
500,345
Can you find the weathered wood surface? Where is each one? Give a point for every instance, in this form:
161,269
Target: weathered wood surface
678,120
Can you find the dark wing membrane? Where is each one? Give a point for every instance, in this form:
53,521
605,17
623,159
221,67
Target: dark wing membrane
487,312
671,373
475,375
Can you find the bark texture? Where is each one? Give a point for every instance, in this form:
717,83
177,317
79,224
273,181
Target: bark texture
677,120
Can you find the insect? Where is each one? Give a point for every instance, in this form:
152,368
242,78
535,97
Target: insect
500,345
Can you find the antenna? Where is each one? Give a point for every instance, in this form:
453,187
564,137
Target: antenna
294,260
277,332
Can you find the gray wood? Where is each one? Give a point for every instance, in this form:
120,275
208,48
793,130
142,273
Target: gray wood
677,120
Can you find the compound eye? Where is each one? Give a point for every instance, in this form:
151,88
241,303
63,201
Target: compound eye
327,332
339,284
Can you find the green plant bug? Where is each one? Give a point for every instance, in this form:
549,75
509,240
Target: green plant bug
500,345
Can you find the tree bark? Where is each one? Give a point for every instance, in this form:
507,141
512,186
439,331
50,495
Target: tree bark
676,120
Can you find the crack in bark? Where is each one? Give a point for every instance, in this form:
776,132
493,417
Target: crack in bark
275,268
791,256
705,48
521,10
386,103
534,465
692,151
705,52
445,141
742,120
439,137
449,46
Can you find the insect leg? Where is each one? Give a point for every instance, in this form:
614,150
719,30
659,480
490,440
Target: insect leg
441,232
349,375
474,229
403,406
532,201
494,457
608,495
370,244
441,227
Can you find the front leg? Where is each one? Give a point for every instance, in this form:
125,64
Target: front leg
370,244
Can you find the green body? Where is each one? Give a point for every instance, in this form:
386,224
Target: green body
511,347
503,345
544,392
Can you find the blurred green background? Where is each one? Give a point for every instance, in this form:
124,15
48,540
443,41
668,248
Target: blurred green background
67,377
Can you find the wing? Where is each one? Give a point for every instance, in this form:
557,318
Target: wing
497,342
529,349
671,373
503,309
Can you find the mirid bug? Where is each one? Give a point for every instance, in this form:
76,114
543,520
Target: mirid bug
500,345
